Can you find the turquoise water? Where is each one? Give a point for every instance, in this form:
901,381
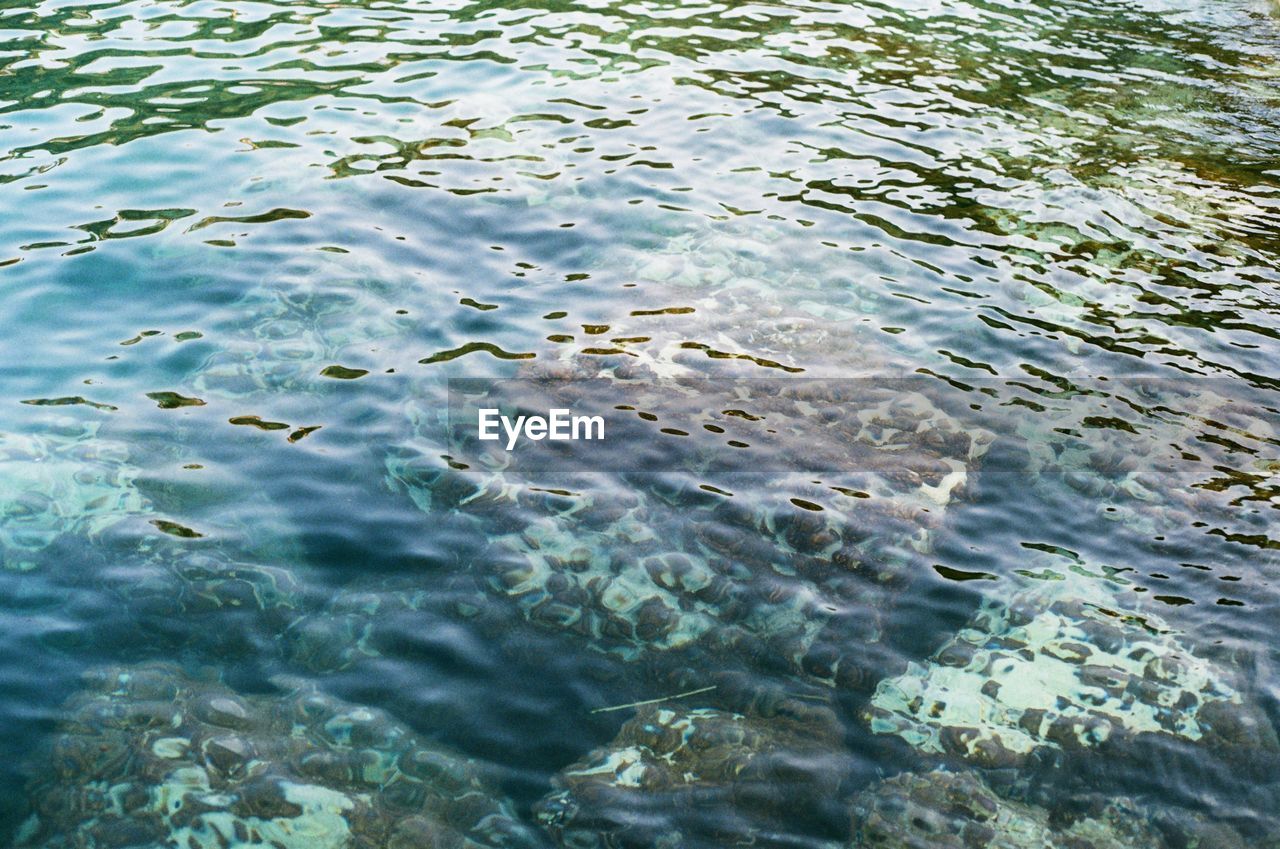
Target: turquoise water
245,245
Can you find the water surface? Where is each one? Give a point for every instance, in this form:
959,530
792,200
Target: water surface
244,245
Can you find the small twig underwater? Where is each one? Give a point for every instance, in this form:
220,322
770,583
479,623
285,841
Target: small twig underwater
655,701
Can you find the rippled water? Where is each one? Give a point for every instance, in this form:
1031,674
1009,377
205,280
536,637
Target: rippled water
244,244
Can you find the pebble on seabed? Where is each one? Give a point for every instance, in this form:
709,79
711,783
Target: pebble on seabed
152,756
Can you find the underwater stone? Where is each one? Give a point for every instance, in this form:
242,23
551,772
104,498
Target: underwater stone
1160,472
957,810
62,483
239,607
288,336
349,629
1062,665
778,566
302,771
674,777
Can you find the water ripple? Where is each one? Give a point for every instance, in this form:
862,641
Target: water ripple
245,243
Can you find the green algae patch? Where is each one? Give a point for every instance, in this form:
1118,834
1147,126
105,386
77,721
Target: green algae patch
69,400
254,421
343,373
473,347
174,529
302,433
172,400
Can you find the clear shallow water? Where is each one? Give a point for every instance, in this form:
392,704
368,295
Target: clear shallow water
208,205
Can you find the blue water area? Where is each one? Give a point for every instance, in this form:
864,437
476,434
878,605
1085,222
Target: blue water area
938,341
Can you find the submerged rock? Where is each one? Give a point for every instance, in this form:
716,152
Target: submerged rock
356,622
957,810
788,555
692,777
1175,455
149,756
61,483
1063,665
289,336
207,599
